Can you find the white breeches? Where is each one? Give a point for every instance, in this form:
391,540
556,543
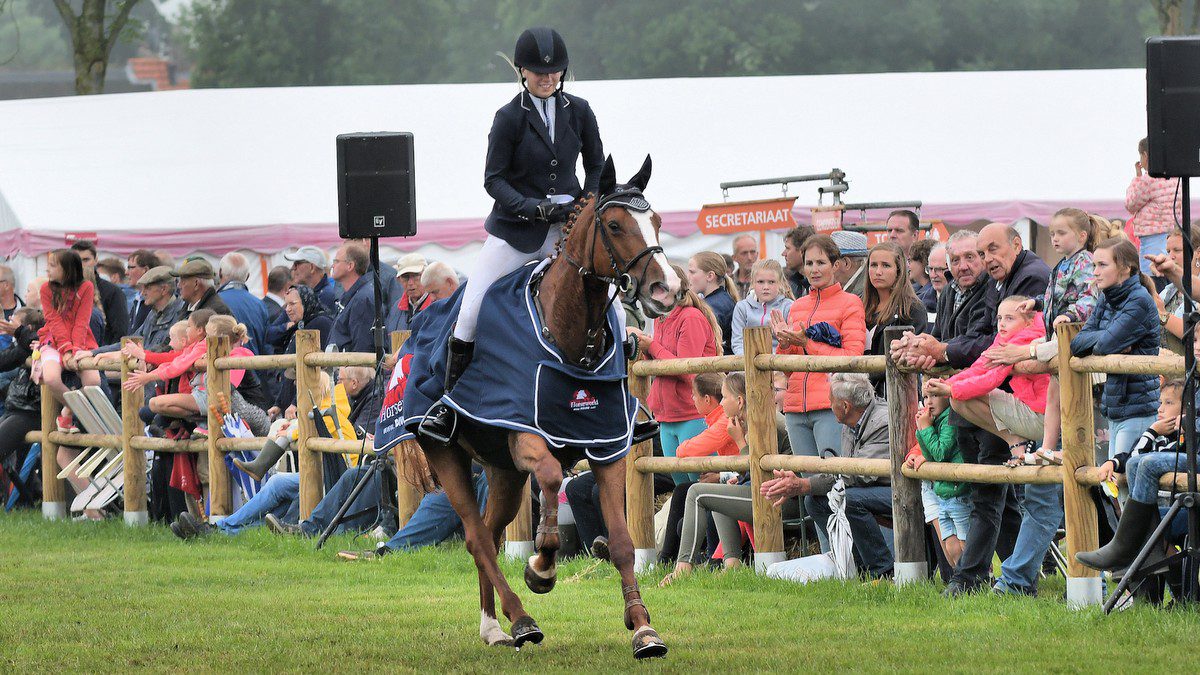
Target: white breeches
494,260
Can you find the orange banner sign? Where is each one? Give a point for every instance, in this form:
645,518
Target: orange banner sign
826,220
758,215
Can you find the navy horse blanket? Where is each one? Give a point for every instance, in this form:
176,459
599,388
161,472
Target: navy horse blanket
517,379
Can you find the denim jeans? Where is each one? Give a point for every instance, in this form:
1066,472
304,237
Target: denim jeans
995,518
674,433
367,502
435,521
1123,434
862,504
954,516
280,495
1043,515
583,494
1143,472
811,433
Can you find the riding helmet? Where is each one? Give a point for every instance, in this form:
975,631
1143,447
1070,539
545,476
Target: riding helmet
541,50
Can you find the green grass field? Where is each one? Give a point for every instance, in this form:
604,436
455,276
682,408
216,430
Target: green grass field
104,597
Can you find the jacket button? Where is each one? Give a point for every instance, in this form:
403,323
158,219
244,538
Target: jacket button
553,176
554,162
551,190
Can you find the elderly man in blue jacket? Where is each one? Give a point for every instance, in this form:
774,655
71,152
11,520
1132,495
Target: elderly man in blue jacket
245,306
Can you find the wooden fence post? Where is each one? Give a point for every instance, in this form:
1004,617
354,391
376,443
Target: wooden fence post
407,497
908,513
308,383
639,491
1084,585
220,498
518,537
135,460
762,437
54,493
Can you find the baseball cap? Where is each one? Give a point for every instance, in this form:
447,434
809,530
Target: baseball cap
413,263
194,267
851,244
310,254
156,275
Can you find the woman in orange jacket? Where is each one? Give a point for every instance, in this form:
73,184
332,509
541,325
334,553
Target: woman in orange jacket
811,426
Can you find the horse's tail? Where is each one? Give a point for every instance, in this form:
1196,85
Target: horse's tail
413,468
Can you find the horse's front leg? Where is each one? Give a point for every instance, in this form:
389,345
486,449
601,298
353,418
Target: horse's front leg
611,480
531,454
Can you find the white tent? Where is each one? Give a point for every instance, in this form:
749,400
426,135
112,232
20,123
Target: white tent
254,169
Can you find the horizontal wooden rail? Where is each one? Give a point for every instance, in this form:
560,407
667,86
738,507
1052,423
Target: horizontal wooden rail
1090,475
86,440
269,362
338,446
107,365
338,359
692,464
987,473
851,466
1126,364
797,363
167,444
689,366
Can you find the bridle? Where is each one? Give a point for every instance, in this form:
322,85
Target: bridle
622,278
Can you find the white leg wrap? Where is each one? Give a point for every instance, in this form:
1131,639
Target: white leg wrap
548,574
490,631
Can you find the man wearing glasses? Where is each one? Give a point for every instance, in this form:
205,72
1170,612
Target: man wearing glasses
9,302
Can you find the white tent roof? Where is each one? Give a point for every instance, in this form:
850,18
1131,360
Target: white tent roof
150,167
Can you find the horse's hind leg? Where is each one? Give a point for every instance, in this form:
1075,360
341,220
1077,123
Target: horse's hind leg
502,506
454,472
531,454
611,480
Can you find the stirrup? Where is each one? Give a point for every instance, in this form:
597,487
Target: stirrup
430,428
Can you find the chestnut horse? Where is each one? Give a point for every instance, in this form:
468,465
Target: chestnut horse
615,243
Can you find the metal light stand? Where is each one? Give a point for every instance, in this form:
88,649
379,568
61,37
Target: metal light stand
1190,500
379,458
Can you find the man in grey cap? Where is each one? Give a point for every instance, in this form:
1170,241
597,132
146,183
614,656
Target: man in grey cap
157,286
310,267
196,287
849,268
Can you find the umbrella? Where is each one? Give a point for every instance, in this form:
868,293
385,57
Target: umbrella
841,541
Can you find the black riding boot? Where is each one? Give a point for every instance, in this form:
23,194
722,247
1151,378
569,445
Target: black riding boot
1134,528
441,422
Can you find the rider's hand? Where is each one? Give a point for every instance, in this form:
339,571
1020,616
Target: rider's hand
549,212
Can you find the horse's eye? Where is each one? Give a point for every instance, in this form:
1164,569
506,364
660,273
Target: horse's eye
614,226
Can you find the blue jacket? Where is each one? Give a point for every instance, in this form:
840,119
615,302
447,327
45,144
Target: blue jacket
1125,322
352,327
248,310
722,304
523,166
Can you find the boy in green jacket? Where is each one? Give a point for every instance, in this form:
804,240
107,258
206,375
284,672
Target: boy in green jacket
935,436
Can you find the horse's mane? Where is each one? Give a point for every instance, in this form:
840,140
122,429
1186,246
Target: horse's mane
585,211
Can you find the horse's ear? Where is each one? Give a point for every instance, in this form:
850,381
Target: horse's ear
642,177
608,177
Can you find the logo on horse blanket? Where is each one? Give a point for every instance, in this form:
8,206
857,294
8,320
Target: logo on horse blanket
519,381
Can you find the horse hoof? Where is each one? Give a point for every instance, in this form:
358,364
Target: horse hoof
536,582
648,645
525,630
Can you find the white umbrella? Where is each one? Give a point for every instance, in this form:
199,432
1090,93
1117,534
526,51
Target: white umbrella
841,541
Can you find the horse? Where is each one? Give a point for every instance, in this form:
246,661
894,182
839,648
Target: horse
610,240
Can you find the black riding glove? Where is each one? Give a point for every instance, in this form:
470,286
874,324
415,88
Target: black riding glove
549,212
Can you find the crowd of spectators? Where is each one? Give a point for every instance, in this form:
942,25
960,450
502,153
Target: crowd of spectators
980,303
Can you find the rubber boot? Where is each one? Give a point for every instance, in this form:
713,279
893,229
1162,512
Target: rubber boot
267,457
1134,528
441,422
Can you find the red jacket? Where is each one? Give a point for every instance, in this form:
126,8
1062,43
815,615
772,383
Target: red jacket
979,379
68,329
683,333
842,310
715,440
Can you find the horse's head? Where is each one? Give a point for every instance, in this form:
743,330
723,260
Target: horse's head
626,228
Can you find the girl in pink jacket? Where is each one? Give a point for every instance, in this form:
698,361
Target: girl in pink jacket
1019,417
1152,203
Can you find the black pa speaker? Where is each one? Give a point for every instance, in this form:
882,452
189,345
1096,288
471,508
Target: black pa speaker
376,187
1173,106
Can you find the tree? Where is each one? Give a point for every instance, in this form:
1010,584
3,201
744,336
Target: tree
31,39
93,33
1170,16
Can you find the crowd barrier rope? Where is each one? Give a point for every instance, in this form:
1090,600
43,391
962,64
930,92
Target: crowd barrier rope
133,443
